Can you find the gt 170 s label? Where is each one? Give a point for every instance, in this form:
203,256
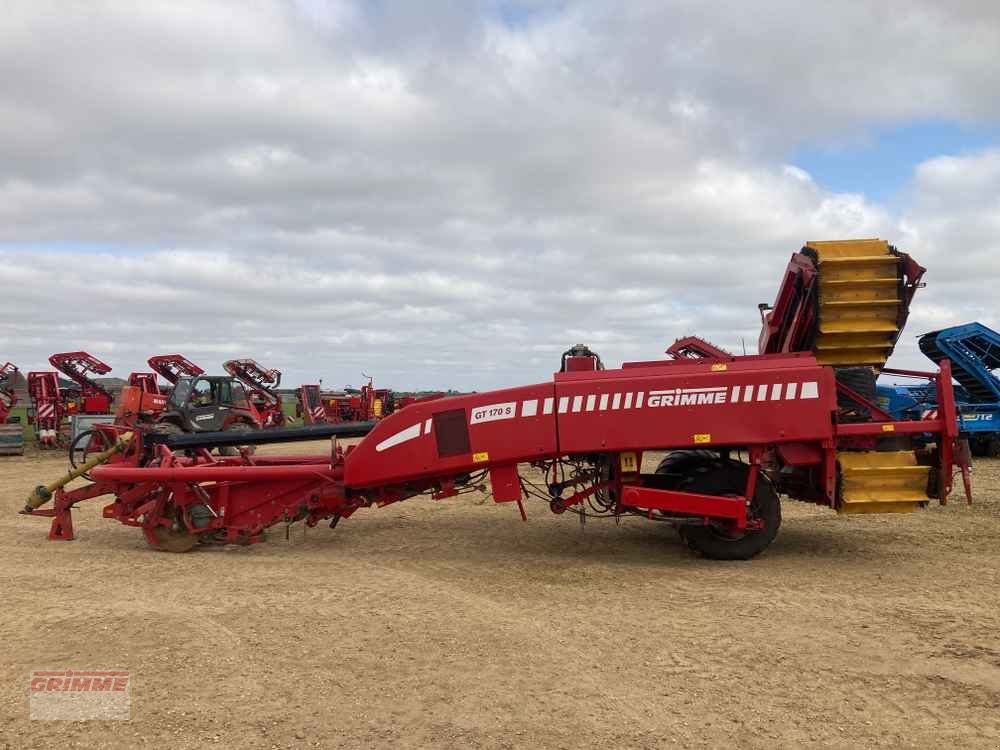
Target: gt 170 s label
493,412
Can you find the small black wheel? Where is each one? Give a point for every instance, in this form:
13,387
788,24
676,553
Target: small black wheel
717,542
84,446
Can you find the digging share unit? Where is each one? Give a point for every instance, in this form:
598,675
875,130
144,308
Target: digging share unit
738,431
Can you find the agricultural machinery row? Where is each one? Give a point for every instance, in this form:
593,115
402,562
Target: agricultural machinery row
177,397
704,441
973,350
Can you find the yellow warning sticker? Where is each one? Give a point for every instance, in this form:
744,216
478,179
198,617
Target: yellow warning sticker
702,437
888,428
479,458
628,463
720,367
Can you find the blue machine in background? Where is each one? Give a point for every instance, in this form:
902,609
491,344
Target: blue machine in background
974,353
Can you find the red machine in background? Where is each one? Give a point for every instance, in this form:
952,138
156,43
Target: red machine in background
78,367
262,385
693,347
146,382
728,436
311,406
8,399
171,367
372,403
368,403
48,407
197,402
11,433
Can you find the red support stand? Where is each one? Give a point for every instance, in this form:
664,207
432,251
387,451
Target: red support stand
62,520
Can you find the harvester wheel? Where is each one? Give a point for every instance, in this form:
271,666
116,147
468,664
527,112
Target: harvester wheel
725,477
169,539
678,465
992,447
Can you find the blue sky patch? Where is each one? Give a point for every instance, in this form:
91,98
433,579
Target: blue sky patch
882,163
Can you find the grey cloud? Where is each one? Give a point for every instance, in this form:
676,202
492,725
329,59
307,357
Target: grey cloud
444,198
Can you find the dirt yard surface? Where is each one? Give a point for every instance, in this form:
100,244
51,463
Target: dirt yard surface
455,625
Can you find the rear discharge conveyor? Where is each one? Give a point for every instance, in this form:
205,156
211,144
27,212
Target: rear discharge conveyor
730,434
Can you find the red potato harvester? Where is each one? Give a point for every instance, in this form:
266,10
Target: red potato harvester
737,431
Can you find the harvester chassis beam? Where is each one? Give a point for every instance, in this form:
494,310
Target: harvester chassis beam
210,440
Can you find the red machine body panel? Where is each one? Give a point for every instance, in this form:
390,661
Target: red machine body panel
679,405
695,403
449,435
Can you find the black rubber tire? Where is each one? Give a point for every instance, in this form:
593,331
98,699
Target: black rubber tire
991,447
94,435
679,464
727,477
861,380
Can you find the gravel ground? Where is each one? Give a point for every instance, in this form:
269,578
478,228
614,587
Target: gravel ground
456,625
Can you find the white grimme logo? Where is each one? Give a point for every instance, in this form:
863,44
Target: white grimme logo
687,397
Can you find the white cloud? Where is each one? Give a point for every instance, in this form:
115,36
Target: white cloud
443,198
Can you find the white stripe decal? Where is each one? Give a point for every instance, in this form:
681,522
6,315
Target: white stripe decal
790,390
810,390
616,401
748,393
735,395
577,403
547,408
638,400
529,408
628,400
604,402
776,391
591,401
427,427
563,404
400,437
761,391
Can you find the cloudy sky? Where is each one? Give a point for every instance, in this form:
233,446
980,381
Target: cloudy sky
448,194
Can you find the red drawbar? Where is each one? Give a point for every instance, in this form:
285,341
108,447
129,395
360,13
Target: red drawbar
711,506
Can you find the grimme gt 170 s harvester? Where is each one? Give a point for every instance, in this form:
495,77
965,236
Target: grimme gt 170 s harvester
737,432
